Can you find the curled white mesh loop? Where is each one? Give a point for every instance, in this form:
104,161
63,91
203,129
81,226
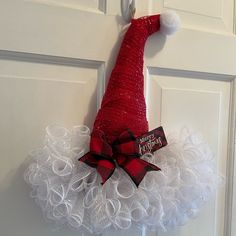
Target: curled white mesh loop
142,198
56,132
77,183
80,136
90,180
148,157
99,219
108,190
81,130
112,207
57,194
116,176
78,152
58,139
40,155
123,219
91,197
124,188
37,177
62,166
62,210
69,192
138,212
75,218
148,183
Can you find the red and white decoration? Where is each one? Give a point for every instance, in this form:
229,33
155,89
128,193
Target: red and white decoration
120,174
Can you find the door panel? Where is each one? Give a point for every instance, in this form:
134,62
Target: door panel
36,91
55,56
201,104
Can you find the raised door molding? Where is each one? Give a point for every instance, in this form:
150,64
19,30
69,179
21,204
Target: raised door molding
95,6
209,15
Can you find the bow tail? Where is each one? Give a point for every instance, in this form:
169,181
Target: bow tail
137,168
104,167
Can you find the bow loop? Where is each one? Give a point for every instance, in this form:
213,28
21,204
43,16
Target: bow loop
126,145
99,145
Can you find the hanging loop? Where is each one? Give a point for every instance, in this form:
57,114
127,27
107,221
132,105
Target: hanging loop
128,9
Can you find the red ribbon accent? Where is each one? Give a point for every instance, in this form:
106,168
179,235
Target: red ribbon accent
123,151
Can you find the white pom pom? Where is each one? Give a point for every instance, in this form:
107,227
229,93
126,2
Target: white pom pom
170,22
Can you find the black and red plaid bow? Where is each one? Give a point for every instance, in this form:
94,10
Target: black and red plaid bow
123,151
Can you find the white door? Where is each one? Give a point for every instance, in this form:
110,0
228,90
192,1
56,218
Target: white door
55,52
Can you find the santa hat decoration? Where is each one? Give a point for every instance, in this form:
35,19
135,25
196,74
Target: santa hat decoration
122,116
69,192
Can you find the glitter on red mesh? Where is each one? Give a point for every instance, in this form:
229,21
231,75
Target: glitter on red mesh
123,106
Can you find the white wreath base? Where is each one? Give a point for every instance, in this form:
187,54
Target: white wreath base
69,192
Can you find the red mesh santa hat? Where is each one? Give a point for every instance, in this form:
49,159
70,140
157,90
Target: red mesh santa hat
122,116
